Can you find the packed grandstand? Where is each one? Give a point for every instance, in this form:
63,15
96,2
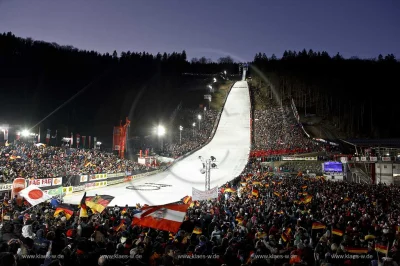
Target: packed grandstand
265,216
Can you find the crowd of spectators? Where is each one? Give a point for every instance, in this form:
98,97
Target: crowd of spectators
40,161
191,136
263,219
275,128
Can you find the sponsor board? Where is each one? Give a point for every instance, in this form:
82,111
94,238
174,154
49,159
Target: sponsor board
114,182
97,177
54,192
101,184
127,178
57,181
44,182
84,178
115,175
67,190
78,188
89,185
5,187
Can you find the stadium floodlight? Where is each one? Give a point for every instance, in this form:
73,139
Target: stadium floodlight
199,117
180,134
215,80
160,130
225,72
98,143
25,133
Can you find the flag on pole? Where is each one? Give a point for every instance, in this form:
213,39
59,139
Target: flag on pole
168,217
337,232
34,195
78,138
48,136
99,202
83,210
197,230
83,141
67,209
317,225
381,248
90,142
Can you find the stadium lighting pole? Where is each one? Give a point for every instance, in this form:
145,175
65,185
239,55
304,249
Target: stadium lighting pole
161,133
199,117
180,135
194,124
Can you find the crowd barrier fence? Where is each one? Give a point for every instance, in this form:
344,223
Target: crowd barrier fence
67,185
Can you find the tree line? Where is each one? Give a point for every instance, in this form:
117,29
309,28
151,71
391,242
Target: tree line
358,95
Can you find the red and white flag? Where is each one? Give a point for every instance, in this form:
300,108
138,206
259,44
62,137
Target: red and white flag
34,195
168,217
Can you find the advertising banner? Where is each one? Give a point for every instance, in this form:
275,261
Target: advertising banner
6,187
67,190
83,178
43,182
78,188
117,138
97,177
57,181
205,195
54,192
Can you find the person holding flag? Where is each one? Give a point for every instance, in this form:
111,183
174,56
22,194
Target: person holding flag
83,207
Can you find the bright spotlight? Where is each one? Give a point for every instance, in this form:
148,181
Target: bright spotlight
194,124
25,133
225,72
199,117
215,80
98,143
160,130
180,128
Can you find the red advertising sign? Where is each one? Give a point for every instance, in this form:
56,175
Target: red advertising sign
117,138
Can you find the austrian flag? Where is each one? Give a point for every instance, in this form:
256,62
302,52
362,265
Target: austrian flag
168,217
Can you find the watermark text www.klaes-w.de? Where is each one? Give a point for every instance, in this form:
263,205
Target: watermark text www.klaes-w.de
38,256
198,257
352,256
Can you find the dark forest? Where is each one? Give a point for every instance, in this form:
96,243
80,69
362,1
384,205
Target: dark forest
37,77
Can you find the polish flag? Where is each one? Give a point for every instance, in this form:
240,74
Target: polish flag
168,217
34,195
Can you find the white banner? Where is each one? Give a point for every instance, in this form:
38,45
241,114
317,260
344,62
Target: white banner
204,195
45,182
57,181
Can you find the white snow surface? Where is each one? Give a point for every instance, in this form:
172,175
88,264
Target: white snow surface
230,146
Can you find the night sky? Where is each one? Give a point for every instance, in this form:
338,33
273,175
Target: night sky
363,28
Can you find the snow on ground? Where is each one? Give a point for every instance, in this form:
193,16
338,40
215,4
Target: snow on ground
230,146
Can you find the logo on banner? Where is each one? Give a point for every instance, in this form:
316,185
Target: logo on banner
45,182
5,187
84,178
57,181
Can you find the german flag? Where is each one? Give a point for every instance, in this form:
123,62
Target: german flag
187,199
317,225
369,237
266,185
83,211
346,199
99,202
277,194
119,227
254,192
304,187
239,220
229,189
356,250
381,248
307,199
124,210
197,230
256,183
337,232
286,234
67,209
